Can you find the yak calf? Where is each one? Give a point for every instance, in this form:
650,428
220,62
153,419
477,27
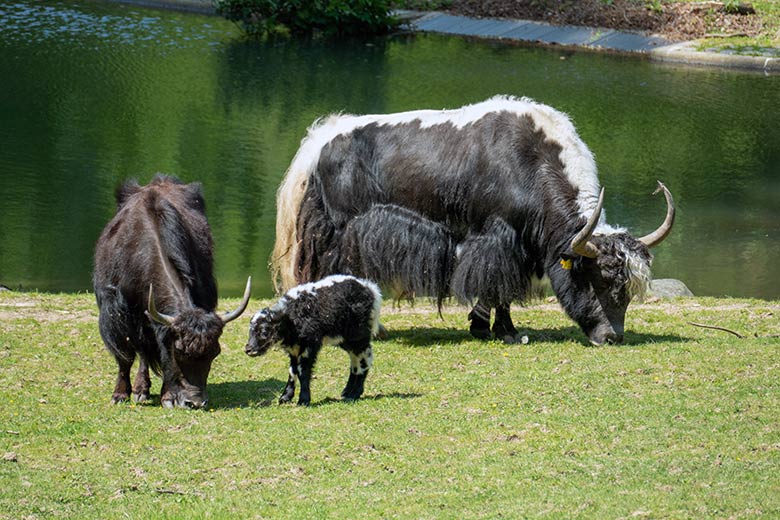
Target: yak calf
339,310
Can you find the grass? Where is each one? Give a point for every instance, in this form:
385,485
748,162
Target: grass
679,422
763,44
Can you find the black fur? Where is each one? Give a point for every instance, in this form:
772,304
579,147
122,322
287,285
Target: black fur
342,308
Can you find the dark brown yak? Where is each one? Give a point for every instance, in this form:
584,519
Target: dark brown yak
156,253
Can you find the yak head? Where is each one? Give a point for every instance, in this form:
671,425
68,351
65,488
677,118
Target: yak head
267,329
601,274
194,346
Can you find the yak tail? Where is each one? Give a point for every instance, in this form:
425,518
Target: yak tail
289,201
288,205
401,250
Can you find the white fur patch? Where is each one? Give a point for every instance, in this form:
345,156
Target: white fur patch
639,275
335,340
311,287
355,361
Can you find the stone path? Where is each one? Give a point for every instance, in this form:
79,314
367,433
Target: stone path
655,47
524,30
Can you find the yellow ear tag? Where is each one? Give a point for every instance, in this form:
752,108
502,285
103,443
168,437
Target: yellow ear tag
566,264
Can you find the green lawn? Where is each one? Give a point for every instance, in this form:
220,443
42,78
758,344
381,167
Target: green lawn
680,422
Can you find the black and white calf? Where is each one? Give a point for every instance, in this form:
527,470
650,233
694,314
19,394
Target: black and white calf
339,310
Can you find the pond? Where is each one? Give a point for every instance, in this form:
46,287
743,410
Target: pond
93,93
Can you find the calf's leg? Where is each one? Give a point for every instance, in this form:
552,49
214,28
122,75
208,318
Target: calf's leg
305,366
360,361
289,390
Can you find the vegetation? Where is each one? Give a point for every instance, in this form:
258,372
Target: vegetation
327,17
678,422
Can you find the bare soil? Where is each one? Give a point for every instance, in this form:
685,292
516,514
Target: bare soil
675,21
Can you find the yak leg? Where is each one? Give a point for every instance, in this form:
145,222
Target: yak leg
305,366
504,329
289,390
122,387
360,361
480,321
142,383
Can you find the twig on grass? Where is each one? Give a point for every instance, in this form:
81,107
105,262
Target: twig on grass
715,327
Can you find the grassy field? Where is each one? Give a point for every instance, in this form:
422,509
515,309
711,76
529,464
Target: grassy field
679,422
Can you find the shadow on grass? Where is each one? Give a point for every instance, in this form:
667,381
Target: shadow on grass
261,394
424,337
240,394
376,397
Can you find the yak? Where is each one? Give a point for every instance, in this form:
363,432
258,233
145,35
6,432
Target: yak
341,310
156,291
479,202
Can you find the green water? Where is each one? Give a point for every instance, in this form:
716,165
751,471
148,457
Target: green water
93,93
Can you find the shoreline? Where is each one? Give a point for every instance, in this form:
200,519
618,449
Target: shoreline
652,47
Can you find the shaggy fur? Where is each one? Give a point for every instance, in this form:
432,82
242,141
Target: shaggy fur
159,237
507,182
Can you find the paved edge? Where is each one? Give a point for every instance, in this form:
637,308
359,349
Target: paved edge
635,43
686,53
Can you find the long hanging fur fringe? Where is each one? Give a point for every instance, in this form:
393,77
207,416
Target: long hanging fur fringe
402,250
491,267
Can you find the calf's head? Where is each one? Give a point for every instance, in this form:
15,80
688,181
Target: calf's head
194,346
266,330
605,272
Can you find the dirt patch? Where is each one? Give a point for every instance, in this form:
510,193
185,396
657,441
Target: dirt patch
675,21
38,309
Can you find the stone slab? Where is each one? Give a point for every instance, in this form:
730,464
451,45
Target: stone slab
524,30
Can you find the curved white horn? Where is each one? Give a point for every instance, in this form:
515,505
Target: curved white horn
658,236
581,244
162,319
232,315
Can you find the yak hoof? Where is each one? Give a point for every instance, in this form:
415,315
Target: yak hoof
119,398
483,334
284,399
381,333
351,394
512,339
168,404
140,398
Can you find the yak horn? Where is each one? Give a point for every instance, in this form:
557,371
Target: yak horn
162,319
581,243
658,236
230,316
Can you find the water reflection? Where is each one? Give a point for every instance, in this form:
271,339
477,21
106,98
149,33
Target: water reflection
95,93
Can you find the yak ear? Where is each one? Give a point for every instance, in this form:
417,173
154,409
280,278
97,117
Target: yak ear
195,196
126,190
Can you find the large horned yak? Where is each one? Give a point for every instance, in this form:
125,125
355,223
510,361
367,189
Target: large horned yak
479,202
156,291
